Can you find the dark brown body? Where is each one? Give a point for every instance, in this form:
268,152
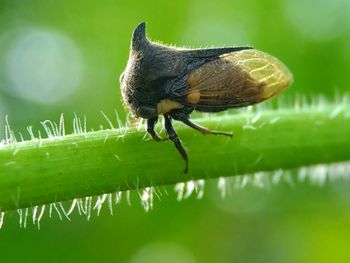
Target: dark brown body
162,80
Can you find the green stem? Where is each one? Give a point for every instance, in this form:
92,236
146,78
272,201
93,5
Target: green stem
70,166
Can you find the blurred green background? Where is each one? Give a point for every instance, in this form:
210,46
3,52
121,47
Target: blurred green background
66,57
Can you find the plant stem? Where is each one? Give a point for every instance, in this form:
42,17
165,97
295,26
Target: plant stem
66,167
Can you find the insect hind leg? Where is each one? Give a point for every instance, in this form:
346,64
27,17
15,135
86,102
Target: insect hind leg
175,139
183,117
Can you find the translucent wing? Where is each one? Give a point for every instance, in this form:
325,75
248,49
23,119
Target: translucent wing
236,79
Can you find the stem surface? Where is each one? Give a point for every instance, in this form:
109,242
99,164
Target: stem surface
66,167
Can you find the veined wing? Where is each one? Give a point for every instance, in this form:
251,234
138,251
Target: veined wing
236,79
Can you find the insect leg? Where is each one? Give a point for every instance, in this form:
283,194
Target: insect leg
203,130
175,139
150,129
178,115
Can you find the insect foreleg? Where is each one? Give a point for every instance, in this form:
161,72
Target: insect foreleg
175,139
150,129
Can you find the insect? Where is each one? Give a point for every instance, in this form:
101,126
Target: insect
173,82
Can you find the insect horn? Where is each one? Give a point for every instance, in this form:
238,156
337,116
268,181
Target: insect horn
139,39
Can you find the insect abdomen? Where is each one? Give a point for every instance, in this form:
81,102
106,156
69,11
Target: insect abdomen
236,79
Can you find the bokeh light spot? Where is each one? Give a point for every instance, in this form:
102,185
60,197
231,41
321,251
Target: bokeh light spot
318,20
163,252
215,33
43,66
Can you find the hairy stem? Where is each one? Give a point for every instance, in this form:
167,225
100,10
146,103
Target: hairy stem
70,166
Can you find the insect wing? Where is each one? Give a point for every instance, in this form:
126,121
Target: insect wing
236,79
